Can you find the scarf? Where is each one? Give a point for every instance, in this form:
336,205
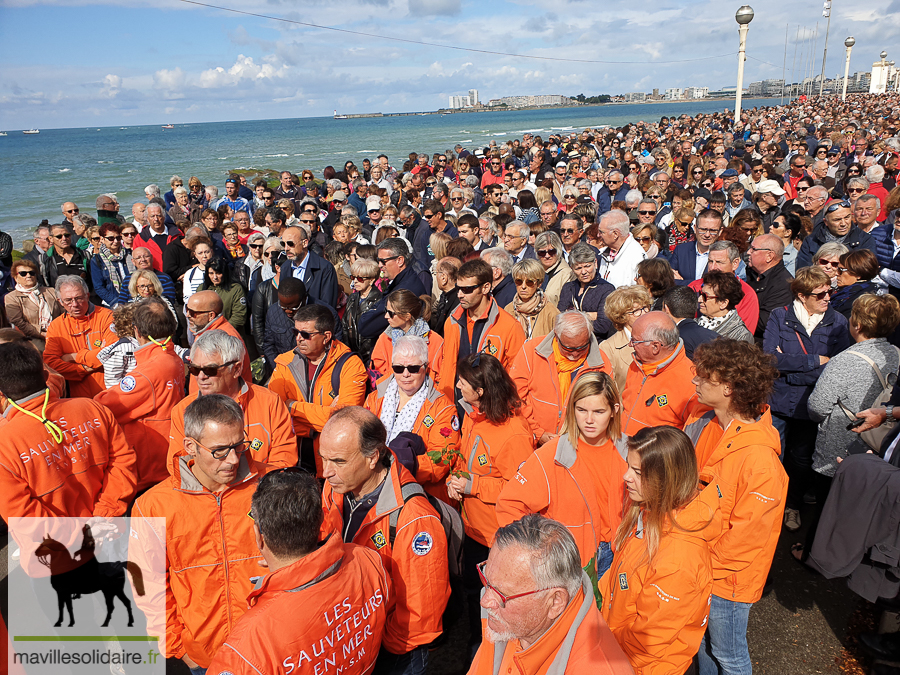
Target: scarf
34,294
111,263
677,237
526,312
418,329
564,370
398,421
809,321
712,323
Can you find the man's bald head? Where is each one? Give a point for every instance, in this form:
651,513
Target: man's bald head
655,336
205,301
143,258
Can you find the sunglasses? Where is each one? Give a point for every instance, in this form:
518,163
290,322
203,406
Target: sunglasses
643,240
27,273
209,371
256,245
129,234
113,238
855,190
385,261
412,369
547,252
838,205
465,290
195,312
307,334
820,296
72,210
531,283
68,236
360,279
706,297
568,230
829,263
647,213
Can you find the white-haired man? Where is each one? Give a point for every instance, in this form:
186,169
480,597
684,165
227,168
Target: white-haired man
621,254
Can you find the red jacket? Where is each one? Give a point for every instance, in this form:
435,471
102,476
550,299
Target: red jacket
284,632
416,561
221,323
84,338
142,403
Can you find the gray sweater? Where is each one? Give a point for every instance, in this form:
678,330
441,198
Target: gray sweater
850,379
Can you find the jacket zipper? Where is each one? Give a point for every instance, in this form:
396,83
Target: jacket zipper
225,554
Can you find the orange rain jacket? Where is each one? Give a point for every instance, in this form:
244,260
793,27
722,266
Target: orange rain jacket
664,396
142,403
556,482
491,454
209,557
502,337
416,561
84,338
437,425
578,643
536,378
266,425
658,610
311,403
221,323
323,613
91,473
383,352
743,459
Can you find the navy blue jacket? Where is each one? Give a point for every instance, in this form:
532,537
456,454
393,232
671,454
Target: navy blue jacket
372,323
605,200
693,335
279,333
165,281
798,360
505,291
856,238
843,298
320,280
102,283
592,300
525,254
684,260
421,250
357,203
883,236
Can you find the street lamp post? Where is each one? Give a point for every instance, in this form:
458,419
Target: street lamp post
825,12
848,43
743,16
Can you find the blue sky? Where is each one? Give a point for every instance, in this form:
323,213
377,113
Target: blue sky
70,63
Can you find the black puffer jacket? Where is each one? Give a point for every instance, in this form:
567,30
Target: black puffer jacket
356,305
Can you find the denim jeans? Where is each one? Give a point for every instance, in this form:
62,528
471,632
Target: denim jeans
604,558
723,650
411,663
199,670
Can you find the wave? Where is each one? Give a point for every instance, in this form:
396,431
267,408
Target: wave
365,152
64,170
105,161
563,128
468,140
221,158
528,131
298,154
276,155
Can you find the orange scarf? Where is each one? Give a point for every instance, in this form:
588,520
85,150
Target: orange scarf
564,370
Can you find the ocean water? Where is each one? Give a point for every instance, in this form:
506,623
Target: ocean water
44,170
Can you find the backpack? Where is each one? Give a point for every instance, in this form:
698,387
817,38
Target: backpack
874,437
450,520
336,374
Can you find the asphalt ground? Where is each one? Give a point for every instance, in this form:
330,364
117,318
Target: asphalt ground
803,625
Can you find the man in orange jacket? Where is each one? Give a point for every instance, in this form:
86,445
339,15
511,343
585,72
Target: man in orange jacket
204,314
143,401
75,338
477,325
540,618
656,391
321,607
215,365
207,553
59,457
737,444
363,500
547,367
315,378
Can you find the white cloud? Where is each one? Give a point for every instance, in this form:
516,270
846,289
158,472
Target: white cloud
169,80
111,85
243,69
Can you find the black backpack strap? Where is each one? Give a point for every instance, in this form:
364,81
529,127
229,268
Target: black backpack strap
407,491
336,373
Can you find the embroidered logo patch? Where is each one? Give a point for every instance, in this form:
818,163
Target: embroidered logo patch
482,460
256,444
454,423
127,384
428,421
491,349
97,343
662,400
422,543
623,582
379,540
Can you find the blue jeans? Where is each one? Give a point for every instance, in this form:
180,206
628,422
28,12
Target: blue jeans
604,558
199,670
411,663
723,650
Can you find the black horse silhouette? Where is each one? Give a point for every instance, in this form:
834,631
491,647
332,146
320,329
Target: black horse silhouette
89,576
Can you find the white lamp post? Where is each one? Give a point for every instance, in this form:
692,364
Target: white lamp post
825,12
743,16
848,43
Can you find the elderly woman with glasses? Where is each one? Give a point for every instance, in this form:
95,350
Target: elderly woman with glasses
31,307
184,207
624,306
407,402
587,292
854,278
530,307
855,187
719,295
828,259
549,248
803,336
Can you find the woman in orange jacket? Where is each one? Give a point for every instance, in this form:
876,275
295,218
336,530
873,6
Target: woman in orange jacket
403,312
656,594
576,478
494,442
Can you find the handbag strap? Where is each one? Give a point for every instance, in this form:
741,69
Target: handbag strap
800,340
884,384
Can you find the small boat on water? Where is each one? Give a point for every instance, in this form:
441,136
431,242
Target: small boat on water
3,133
168,126
31,131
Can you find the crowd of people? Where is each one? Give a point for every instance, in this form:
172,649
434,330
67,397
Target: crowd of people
566,392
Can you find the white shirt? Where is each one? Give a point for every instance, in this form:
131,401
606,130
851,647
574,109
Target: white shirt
621,270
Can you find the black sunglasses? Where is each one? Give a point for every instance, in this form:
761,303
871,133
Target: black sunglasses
209,371
547,252
468,289
27,273
412,369
838,205
256,245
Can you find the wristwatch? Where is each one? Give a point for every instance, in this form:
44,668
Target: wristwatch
889,414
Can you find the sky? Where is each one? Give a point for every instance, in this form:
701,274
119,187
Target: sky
72,63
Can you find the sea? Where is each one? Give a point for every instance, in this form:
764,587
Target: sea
58,165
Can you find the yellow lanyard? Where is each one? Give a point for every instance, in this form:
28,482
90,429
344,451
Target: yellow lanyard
52,428
163,343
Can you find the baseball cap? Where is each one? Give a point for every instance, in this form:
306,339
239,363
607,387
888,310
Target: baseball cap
834,150
373,204
769,186
339,196
561,164
728,173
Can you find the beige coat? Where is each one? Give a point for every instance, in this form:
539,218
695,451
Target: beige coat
23,313
544,322
564,275
620,356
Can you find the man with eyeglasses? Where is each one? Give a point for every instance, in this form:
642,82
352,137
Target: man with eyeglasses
571,232
66,259
689,259
317,376
655,393
769,278
210,553
569,351
108,208
204,314
493,195
395,262
795,175
515,241
495,172
540,605
614,189
458,204
433,217
37,255
69,211
837,226
316,273
75,338
142,259
724,256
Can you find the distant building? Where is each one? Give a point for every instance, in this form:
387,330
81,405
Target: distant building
674,94
696,92
473,97
635,97
457,102
527,101
655,95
